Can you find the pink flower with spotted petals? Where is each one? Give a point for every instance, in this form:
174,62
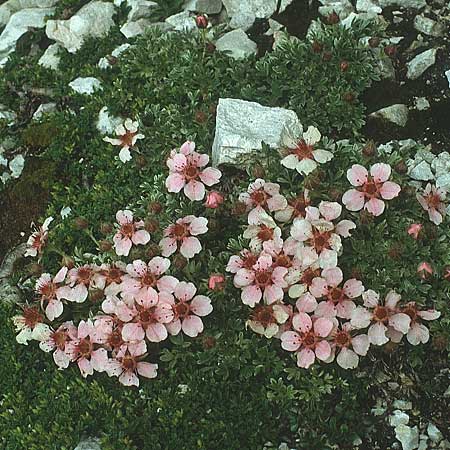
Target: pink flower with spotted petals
308,339
79,281
86,351
296,208
188,309
30,325
260,197
187,172
266,319
51,292
263,280
371,189
143,277
379,317
432,201
414,230
348,345
130,232
38,239
182,235
418,333
264,236
109,277
108,331
245,260
128,364
337,299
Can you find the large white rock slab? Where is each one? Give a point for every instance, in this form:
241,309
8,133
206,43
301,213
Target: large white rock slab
418,65
86,85
140,9
10,7
19,23
204,6
237,44
242,127
50,58
182,21
92,20
397,114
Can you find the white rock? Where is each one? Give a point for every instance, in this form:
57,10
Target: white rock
107,124
89,444
242,127
244,13
368,6
417,4
44,109
284,4
50,58
397,114
9,116
140,9
402,404
428,26
408,437
447,74
204,6
418,65
16,166
343,8
421,172
182,21
237,44
441,164
422,104
10,7
133,29
434,433
92,20
398,418
65,212
19,23
86,85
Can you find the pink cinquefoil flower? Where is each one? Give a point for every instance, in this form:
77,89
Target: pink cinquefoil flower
379,317
80,279
51,292
266,235
303,156
262,196
214,199
108,331
320,237
414,230
263,280
337,299
245,260
348,345
127,365
145,277
266,319
129,233
188,310
418,333
308,339
146,317
127,136
187,172
57,341
432,201
109,277
85,350
30,325
37,240
296,208
181,235
370,189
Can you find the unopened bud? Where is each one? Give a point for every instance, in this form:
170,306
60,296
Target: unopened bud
81,223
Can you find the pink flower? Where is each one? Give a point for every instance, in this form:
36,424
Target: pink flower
302,155
129,233
424,270
370,188
51,292
295,208
348,345
36,242
378,317
182,234
261,197
418,333
127,137
57,341
214,199
108,278
414,230
145,277
127,365
187,173
337,301
30,325
432,201
84,349
308,339
263,280
246,259
216,282
304,280
108,332
187,309
79,281
266,319
146,316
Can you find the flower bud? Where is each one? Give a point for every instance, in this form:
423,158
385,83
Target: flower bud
216,282
106,228
239,209
369,149
200,117
424,270
317,47
179,262
390,50
112,59
344,66
335,195
201,21
439,342
374,42
395,252
214,199
81,223
153,250
141,161
327,55
210,47
414,230
365,217
208,342
349,97
68,262
447,273
154,207
151,225
36,269
105,245
96,295
401,167
333,18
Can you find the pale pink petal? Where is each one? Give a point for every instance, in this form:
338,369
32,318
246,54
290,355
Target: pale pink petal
345,309
277,202
327,258
301,230
174,327
290,161
306,166
306,303
194,190
128,378
377,334
147,370
198,226
429,314
140,237
325,309
319,287
330,210
85,367
192,326
156,332
361,317
323,326
391,300
418,334
361,344
54,309
59,277
290,341
124,216
347,359
343,228
133,332
185,291
61,359
167,283
389,190
380,172
353,200
122,245
435,216
273,294
400,322
375,206
333,276
168,246
305,358
353,288
99,359
175,182
79,293
201,305
210,176
357,175
251,295
371,298
187,147
323,350
302,322
243,278
158,265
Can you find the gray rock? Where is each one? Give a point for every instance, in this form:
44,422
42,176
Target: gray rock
182,21
18,24
237,44
421,172
104,62
140,9
92,20
44,109
244,13
16,166
416,4
384,65
422,104
397,114
50,58
284,4
86,85
6,114
408,437
369,6
434,433
398,418
402,404
10,7
89,444
447,74
343,8
107,124
418,65
428,26
8,292
204,6
242,127
133,29
441,164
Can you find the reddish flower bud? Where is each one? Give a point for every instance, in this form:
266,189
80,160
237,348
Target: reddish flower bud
210,47
214,199
208,342
36,269
104,245
154,207
327,55
369,149
258,171
179,262
216,282
317,47
344,66
68,262
96,295
395,252
401,167
374,42
200,117
201,21
414,230
106,228
349,97
81,223
365,217
447,273
151,225
390,50
424,270
439,342
153,250
333,18
112,59
141,161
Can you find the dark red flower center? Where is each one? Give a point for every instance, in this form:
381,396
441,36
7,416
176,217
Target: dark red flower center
115,339
127,139
299,204
179,231
265,233
32,317
191,172
433,200
263,315
263,278
320,240
342,338
149,279
283,260
381,314
249,260
60,338
309,339
85,347
309,275
303,150
259,197
181,309
127,229
84,275
336,295
129,363
370,189
48,290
